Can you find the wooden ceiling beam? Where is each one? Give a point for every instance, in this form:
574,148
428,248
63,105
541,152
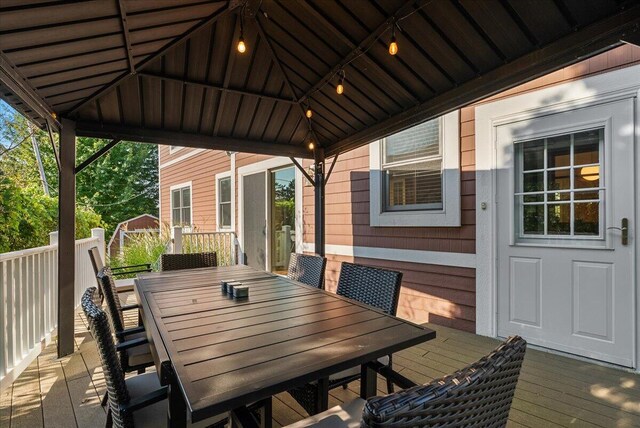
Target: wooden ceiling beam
125,34
231,6
220,88
357,50
174,138
13,80
575,47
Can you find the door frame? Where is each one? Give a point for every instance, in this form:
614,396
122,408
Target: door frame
587,92
265,166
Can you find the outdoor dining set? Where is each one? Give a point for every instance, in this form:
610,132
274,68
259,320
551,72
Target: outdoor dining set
206,356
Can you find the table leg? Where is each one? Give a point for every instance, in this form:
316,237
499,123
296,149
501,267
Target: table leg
322,402
368,382
177,407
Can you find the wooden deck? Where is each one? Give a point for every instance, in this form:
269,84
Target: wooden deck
552,391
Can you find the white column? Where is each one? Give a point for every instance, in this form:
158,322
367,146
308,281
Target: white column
53,238
176,238
98,232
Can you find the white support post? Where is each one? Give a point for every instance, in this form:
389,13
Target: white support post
176,238
53,238
98,232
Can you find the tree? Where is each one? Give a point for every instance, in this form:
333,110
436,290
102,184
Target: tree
120,185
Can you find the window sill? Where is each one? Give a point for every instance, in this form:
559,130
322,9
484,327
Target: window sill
415,219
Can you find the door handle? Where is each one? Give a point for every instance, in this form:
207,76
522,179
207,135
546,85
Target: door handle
624,228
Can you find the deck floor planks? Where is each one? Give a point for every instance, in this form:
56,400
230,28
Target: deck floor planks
554,391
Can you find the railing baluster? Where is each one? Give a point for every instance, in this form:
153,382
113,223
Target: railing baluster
3,339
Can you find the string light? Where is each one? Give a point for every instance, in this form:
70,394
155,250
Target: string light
340,87
308,112
311,145
54,115
242,48
393,43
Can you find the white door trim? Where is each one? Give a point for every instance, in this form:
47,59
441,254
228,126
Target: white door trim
618,84
265,166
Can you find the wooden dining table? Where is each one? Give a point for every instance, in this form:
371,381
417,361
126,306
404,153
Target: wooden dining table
218,353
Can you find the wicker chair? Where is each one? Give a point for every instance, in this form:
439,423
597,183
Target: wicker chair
479,396
132,358
375,287
96,262
307,269
138,401
188,261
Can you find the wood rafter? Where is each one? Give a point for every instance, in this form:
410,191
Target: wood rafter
144,63
570,49
125,34
186,139
357,50
11,77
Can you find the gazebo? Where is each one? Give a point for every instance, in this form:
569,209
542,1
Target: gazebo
292,78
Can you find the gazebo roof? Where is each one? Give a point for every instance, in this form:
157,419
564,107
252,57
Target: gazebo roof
168,72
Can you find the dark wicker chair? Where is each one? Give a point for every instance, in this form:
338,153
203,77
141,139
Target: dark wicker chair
133,358
478,396
375,287
96,262
187,261
138,401
307,269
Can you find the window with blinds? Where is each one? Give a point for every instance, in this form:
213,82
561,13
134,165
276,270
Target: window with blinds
412,168
224,203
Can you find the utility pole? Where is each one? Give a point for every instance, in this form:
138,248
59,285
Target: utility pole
36,151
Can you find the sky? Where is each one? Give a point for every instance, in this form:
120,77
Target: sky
5,110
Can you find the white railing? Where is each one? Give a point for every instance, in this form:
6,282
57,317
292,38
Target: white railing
29,300
224,244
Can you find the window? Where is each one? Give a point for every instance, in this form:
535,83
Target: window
224,203
173,149
559,191
415,175
181,205
412,167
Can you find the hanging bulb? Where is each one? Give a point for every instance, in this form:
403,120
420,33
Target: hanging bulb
340,87
54,115
393,46
393,43
242,48
311,145
309,113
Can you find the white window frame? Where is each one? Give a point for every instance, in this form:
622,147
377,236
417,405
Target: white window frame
449,215
173,149
176,187
219,177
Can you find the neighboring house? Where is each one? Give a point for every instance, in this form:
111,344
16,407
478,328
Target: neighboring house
141,223
501,215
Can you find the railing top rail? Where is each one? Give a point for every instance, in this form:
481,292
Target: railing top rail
86,240
26,252
222,232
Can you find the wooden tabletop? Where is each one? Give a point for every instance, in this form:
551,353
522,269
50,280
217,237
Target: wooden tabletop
226,353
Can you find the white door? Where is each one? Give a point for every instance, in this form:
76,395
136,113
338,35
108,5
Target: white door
565,182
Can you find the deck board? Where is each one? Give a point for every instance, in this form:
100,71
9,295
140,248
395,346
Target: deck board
553,391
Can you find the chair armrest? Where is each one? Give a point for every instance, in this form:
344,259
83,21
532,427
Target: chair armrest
392,375
129,307
146,400
131,343
132,330
143,265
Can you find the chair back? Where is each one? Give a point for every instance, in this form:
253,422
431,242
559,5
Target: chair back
108,287
375,287
113,373
307,269
96,262
479,395
188,261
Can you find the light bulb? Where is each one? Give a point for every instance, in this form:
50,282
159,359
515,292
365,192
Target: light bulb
311,145
340,88
309,113
54,115
242,48
393,46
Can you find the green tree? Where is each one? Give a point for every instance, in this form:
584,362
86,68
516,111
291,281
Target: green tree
120,185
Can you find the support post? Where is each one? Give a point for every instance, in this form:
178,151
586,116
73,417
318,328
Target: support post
176,238
98,232
319,201
66,238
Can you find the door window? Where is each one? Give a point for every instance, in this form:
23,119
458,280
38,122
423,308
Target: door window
559,186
